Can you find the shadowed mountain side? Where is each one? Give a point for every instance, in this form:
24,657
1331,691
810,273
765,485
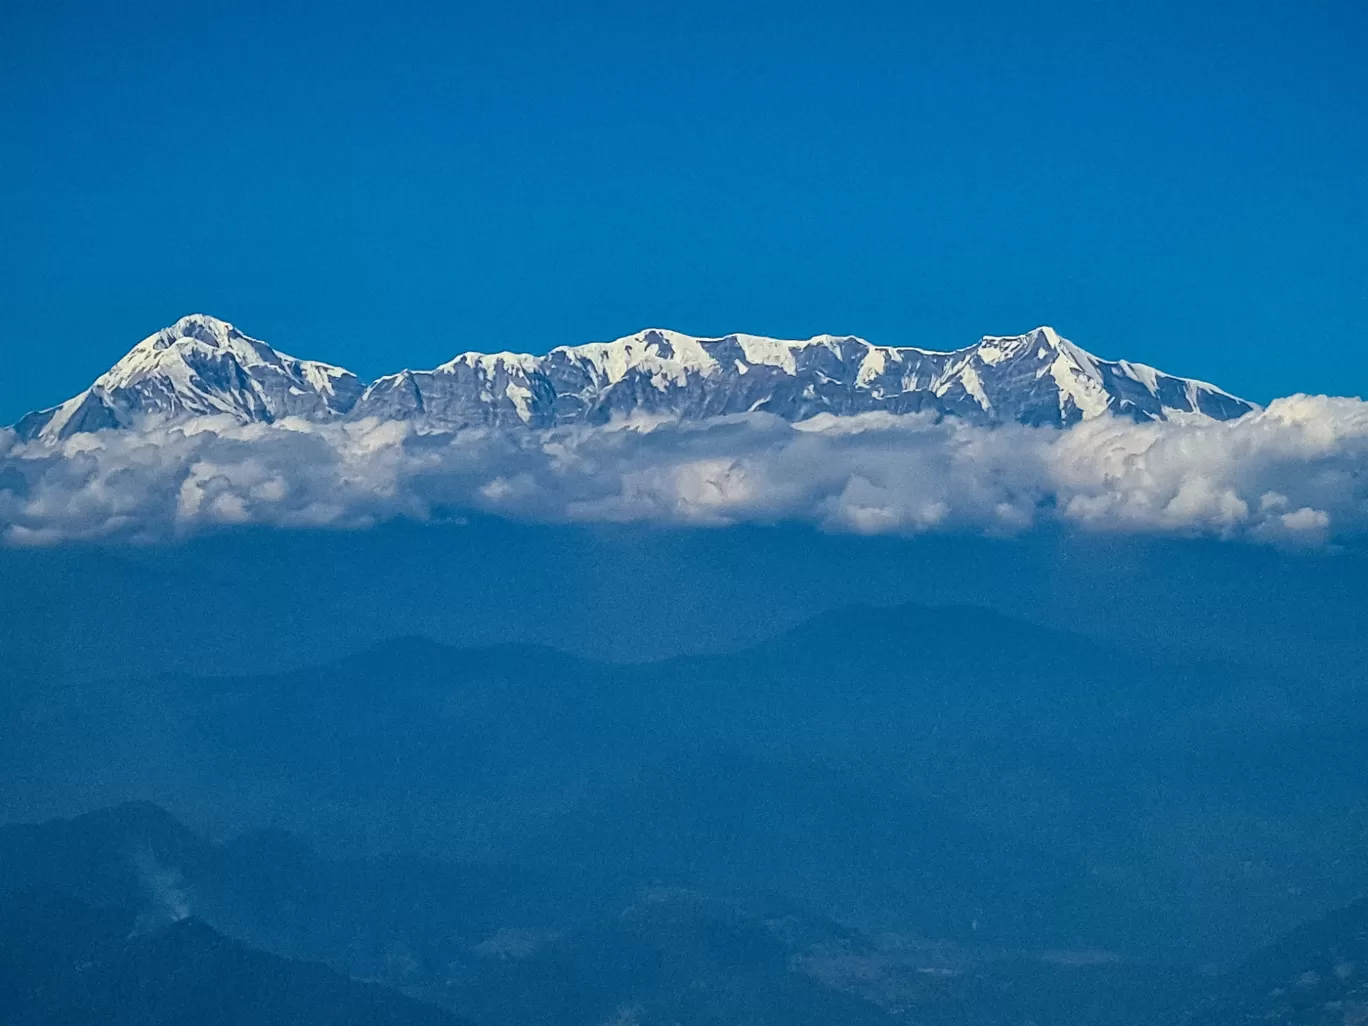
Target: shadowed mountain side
66,963
1316,975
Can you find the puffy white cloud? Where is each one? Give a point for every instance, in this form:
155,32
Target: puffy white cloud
1295,473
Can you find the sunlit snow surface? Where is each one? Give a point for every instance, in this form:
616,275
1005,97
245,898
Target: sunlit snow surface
203,366
200,427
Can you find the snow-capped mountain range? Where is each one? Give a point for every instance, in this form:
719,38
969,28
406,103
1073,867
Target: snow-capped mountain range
204,366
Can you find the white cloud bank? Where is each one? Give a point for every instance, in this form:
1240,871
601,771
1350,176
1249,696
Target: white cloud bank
1294,473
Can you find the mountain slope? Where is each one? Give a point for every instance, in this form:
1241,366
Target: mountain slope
1316,975
199,366
203,366
68,963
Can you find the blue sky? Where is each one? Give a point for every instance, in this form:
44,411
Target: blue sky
382,185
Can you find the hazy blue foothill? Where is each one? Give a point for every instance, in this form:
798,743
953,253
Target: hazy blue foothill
781,791
441,933
65,962
260,600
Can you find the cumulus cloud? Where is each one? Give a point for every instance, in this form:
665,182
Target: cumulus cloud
1294,473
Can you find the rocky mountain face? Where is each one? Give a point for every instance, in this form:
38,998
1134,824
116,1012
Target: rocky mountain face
202,366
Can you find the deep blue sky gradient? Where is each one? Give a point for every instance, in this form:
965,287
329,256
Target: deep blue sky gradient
384,185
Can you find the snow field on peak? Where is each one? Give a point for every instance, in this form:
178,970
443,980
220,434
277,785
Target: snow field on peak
202,366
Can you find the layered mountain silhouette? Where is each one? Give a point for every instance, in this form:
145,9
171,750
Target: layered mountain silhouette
501,945
915,770
87,935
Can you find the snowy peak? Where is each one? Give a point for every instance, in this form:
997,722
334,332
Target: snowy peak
175,351
1051,380
1036,378
203,366
199,328
200,366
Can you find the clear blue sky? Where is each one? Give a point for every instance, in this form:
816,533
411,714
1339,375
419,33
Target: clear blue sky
380,185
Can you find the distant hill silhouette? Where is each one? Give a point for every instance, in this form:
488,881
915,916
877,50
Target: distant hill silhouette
66,963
